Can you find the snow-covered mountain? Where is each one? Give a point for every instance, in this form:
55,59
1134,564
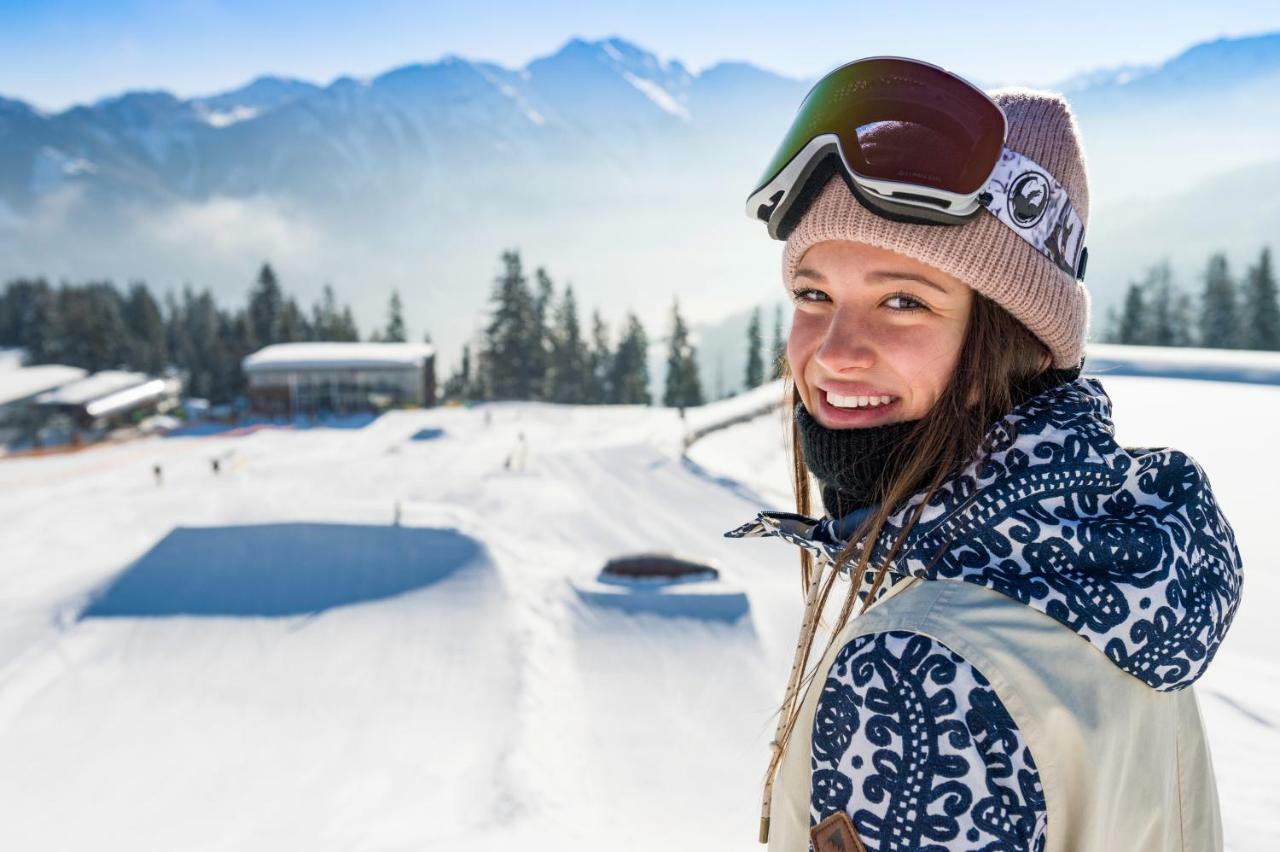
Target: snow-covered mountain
605,101
619,171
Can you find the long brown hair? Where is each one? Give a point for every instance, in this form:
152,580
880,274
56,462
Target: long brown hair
998,354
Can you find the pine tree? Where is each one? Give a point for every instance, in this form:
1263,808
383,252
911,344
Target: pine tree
172,327
1132,328
466,385
540,350
720,391
599,363
1219,315
294,325
1169,310
1156,312
42,331
511,336
266,305
779,345
1261,314
755,360
1111,326
395,332
236,340
683,387
148,350
347,329
203,352
96,336
324,315
568,379
458,385
630,375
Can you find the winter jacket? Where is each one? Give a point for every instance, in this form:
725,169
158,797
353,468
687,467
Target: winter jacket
963,711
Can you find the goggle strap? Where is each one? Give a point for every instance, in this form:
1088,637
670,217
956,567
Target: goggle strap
1028,199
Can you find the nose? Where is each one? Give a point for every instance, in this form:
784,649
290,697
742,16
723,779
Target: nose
847,344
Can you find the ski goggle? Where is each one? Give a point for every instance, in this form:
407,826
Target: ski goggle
915,143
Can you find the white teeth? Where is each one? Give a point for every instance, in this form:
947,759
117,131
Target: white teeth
857,401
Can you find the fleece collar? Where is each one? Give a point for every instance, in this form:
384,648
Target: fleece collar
1126,546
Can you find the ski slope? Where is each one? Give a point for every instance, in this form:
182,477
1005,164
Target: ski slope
455,692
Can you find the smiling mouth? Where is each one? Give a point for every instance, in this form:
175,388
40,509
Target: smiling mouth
837,401
851,411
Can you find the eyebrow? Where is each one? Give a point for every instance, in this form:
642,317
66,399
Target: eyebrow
876,277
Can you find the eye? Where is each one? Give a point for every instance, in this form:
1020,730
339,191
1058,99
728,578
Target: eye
909,302
799,295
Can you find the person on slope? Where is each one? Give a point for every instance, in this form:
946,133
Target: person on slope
1035,601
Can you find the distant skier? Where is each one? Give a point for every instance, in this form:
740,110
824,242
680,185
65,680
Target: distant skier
516,458
155,469
217,467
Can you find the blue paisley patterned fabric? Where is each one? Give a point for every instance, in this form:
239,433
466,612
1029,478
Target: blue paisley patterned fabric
1125,546
913,743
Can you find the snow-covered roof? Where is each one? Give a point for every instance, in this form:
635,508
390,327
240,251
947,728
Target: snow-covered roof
330,356
25,382
12,358
93,387
130,397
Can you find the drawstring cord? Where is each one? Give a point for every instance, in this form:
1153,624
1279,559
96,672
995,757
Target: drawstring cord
807,628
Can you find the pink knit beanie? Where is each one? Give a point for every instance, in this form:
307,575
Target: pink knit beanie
983,253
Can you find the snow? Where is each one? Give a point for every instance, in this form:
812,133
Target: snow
510,92
226,118
151,390
612,52
303,356
12,357
658,95
93,387
1232,365
18,383
350,639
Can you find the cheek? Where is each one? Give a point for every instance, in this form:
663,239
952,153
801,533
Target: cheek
925,357
804,339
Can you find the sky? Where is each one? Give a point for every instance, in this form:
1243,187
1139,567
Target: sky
57,53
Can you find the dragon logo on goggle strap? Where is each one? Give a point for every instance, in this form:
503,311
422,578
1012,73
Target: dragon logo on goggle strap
1028,198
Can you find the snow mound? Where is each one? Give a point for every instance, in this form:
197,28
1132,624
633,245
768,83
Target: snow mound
282,569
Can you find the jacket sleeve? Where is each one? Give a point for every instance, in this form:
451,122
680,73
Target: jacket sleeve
911,741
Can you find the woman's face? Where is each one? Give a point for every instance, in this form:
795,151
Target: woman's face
871,323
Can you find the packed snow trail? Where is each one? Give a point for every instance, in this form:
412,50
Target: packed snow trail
486,708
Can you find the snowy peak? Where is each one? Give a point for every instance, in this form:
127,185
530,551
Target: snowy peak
261,95
1102,77
604,71
1224,63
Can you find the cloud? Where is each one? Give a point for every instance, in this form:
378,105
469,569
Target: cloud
230,229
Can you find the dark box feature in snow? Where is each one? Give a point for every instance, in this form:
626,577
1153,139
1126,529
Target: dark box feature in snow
282,569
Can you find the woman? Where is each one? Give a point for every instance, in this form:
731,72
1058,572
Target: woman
977,504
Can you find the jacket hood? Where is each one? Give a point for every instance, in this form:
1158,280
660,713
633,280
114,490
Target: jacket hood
1126,546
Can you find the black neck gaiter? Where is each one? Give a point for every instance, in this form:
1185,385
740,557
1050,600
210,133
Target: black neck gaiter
852,464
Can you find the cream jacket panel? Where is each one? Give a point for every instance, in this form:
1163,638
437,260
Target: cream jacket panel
1123,766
